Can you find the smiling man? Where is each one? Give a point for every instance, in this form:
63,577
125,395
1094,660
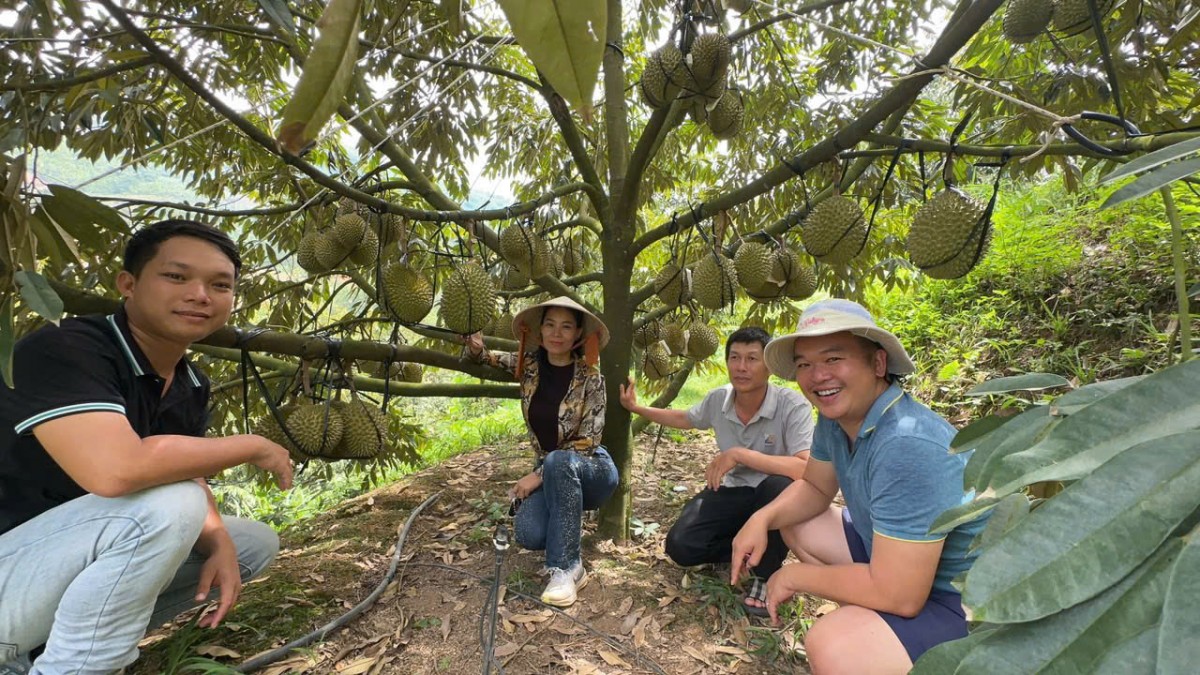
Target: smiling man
763,433
889,455
106,523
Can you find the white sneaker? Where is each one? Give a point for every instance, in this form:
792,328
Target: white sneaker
564,585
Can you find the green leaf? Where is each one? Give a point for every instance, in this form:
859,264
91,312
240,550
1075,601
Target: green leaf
76,213
1089,536
1073,641
1152,181
963,513
565,41
1178,648
1159,405
36,293
8,339
976,430
1153,159
944,658
1024,431
328,72
1131,656
1010,511
1026,382
1074,401
279,14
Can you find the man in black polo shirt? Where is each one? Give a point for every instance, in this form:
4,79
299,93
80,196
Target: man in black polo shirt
106,524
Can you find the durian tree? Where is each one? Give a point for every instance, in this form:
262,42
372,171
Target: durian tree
667,158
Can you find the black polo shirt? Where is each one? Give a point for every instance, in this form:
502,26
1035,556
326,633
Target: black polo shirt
85,364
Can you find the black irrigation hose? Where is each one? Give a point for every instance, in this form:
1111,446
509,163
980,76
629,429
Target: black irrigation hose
320,633
611,641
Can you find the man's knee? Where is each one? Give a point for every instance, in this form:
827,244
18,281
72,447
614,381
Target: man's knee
851,640
179,508
257,545
681,547
771,487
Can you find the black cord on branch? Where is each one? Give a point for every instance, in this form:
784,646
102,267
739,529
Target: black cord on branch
320,633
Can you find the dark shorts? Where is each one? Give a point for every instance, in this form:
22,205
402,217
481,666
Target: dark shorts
941,619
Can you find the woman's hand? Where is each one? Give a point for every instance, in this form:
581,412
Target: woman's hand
474,343
526,486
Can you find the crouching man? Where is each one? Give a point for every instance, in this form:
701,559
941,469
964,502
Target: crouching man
888,454
106,524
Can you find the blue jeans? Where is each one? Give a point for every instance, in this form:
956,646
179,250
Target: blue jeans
551,517
88,577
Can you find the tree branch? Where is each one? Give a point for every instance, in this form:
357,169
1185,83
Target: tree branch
668,396
1125,145
793,14
283,368
616,113
953,38
82,78
574,142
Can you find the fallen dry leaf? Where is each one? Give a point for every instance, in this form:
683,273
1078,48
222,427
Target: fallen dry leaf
507,649
696,654
217,652
357,666
613,659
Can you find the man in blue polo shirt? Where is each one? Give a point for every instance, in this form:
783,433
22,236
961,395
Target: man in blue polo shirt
889,455
106,524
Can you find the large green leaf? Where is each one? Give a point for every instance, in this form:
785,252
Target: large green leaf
1153,159
1073,641
565,41
963,513
1074,401
1161,404
1010,511
1131,656
943,659
36,293
328,72
1089,536
1026,382
279,14
76,213
1152,181
978,429
1022,432
1177,645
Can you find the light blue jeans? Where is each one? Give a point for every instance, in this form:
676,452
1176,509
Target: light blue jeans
551,517
88,577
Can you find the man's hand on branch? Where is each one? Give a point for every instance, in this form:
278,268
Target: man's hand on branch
274,459
474,343
629,396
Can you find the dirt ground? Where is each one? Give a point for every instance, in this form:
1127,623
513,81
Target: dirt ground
639,613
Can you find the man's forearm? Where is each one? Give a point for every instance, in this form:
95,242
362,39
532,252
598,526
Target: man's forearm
801,501
214,532
774,465
852,584
170,459
677,419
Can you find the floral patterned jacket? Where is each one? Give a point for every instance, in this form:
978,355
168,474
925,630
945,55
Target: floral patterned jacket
581,413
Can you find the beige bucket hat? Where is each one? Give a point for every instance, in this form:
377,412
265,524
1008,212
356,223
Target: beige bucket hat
529,320
835,316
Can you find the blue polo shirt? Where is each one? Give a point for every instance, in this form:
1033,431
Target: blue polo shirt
901,477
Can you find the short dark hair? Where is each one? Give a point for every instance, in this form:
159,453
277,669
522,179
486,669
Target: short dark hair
144,243
747,335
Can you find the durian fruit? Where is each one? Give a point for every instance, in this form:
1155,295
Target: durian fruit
348,230
412,372
676,338
647,334
835,230
269,429
327,253
468,299
509,278
572,257
725,118
802,284
663,77
501,326
525,249
346,205
385,371
948,234
316,427
366,252
364,430
306,253
395,229
708,63
788,278
753,262
714,281
703,341
656,361
1024,20
407,292
673,285
1074,16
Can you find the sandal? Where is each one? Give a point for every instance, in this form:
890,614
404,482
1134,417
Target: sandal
757,591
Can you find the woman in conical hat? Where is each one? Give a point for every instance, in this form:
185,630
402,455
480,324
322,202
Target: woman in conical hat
563,402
